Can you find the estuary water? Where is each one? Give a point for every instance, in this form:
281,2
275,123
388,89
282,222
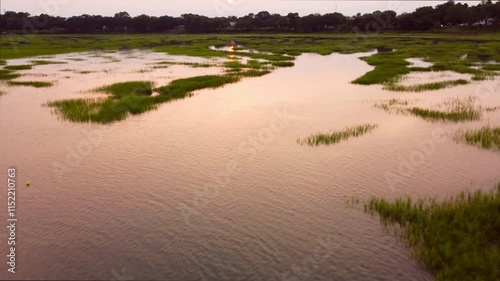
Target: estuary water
215,187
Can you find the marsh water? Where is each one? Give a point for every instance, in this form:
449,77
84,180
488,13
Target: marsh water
215,187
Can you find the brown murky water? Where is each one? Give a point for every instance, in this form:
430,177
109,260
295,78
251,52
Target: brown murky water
215,187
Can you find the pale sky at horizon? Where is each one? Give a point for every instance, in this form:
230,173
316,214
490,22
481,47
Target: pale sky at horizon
210,8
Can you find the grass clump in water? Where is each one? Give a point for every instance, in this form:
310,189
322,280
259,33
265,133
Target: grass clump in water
337,136
8,74
36,84
455,110
486,137
183,87
425,87
234,65
390,105
492,67
457,239
282,63
129,88
18,67
191,64
136,97
46,62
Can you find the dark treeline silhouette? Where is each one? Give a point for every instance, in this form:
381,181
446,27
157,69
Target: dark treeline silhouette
424,18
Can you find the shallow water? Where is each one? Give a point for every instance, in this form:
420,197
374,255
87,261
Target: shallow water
215,187
419,62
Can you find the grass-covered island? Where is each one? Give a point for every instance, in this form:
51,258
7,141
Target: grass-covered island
456,239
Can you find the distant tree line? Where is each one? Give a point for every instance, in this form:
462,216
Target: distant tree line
424,18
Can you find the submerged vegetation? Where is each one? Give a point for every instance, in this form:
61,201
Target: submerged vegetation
337,136
36,84
485,137
457,239
425,87
191,64
46,62
392,104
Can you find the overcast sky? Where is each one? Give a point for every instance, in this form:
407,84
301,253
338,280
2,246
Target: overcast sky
208,7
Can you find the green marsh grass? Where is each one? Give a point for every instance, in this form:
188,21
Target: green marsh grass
425,87
282,63
18,67
182,87
128,88
491,67
136,97
8,74
255,64
234,65
445,51
455,110
337,136
36,84
486,137
47,62
456,239
191,64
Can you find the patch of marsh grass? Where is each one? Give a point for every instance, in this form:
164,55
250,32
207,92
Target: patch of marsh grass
234,65
47,62
486,137
392,104
282,63
456,239
491,67
129,88
76,59
135,97
36,84
337,136
182,87
455,110
425,87
253,73
190,64
3,62
18,67
8,74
